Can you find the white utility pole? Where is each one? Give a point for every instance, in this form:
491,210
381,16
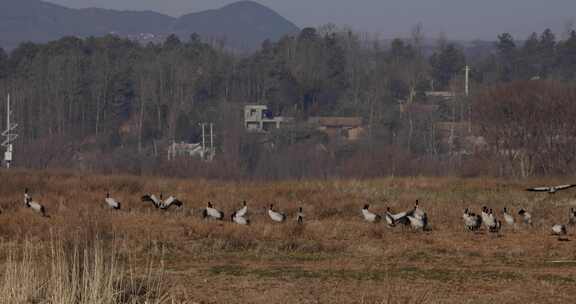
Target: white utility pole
467,92
9,136
203,125
467,82
211,141
207,154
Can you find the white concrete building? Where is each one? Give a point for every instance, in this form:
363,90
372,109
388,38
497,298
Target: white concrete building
257,118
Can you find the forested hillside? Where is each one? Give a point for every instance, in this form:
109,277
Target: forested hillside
241,26
109,104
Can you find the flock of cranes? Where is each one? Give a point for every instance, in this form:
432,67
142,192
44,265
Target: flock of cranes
415,218
473,222
210,212
418,219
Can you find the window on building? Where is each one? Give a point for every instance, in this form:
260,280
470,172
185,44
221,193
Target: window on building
267,114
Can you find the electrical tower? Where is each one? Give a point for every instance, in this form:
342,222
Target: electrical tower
9,135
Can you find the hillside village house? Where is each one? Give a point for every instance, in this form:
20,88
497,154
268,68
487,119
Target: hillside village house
257,118
340,128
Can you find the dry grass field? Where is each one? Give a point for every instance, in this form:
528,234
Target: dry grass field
85,253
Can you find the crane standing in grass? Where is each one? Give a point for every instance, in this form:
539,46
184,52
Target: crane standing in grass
276,216
36,207
369,215
239,216
26,197
508,218
111,203
211,212
472,221
572,216
300,216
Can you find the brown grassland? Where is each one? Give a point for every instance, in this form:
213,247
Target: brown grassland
85,253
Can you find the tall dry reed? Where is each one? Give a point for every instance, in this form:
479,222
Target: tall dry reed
75,272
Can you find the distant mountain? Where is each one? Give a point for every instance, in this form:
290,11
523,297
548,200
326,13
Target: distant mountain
245,24
242,25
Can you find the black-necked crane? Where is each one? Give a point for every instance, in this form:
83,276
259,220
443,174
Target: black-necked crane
508,218
551,189
169,202
388,216
418,212
243,210
492,222
484,216
153,199
111,203
418,218
572,216
35,206
300,216
526,216
392,219
239,216
472,221
211,212
26,197
276,216
239,219
559,230
369,215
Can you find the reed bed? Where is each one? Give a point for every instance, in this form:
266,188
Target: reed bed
74,272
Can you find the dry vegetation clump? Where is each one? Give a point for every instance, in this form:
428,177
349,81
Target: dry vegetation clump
335,257
82,271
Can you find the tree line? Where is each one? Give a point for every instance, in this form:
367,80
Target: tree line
110,104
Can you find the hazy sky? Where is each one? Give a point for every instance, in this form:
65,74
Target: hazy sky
458,19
